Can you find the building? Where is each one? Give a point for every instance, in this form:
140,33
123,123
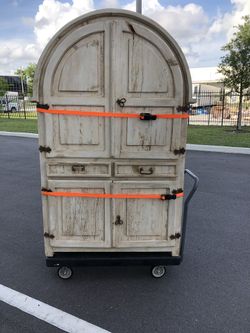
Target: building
15,83
207,86
206,79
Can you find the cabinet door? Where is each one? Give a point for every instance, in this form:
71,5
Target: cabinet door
77,221
148,75
77,78
145,223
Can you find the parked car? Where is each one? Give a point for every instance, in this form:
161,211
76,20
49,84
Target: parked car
9,102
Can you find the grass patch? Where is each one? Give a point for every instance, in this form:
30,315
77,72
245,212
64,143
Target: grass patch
203,135
219,136
18,125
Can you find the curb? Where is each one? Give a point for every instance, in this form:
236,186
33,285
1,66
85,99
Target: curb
219,149
20,134
204,148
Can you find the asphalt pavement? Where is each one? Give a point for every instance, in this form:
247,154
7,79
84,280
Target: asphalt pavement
208,292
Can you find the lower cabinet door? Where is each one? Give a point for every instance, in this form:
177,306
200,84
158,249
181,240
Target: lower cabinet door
78,221
145,223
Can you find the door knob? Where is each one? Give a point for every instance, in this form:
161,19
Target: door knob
121,102
118,220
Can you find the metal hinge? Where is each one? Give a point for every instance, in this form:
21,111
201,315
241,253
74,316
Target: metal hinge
176,236
45,189
171,196
185,108
180,151
179,190
42,106
47,235
44,149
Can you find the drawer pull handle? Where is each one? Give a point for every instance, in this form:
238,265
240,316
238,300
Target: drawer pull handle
78,168
146,172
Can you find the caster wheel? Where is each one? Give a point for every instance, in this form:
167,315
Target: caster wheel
64,272
158,271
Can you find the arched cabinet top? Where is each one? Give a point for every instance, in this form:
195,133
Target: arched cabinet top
80,26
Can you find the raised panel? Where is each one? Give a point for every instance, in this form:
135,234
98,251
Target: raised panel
145,217
78,136
148,71
79,221
147,65
79,64
78,169
146,133
78,130
81,68
145,139
146,222
145,169
83,217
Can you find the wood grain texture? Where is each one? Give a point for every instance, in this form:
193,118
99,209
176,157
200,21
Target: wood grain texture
78,168
75,136
84,221
145,222
146,169
90,65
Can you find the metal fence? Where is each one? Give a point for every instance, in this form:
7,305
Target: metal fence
210,108
218,108
14,106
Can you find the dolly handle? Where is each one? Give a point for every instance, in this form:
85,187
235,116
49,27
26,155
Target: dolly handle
195,185
185,212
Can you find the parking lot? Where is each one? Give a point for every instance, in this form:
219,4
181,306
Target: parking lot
208,292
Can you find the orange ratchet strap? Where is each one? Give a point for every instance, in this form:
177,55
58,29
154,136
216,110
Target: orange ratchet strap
141,116
113,196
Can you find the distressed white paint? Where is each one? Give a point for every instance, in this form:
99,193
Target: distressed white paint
76,221
47,313
142,169
145,222
78,168
92,62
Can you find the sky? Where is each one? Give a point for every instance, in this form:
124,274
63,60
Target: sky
200,27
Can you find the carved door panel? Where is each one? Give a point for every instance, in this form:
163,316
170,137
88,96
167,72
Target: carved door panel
78,221
77,78
144,222
147,74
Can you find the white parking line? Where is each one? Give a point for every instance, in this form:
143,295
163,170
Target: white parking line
47,313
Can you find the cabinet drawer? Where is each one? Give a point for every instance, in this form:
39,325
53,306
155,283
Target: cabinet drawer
145,169
78,169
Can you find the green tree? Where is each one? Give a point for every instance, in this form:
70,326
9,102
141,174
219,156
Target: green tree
27,74
235,65
3,86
